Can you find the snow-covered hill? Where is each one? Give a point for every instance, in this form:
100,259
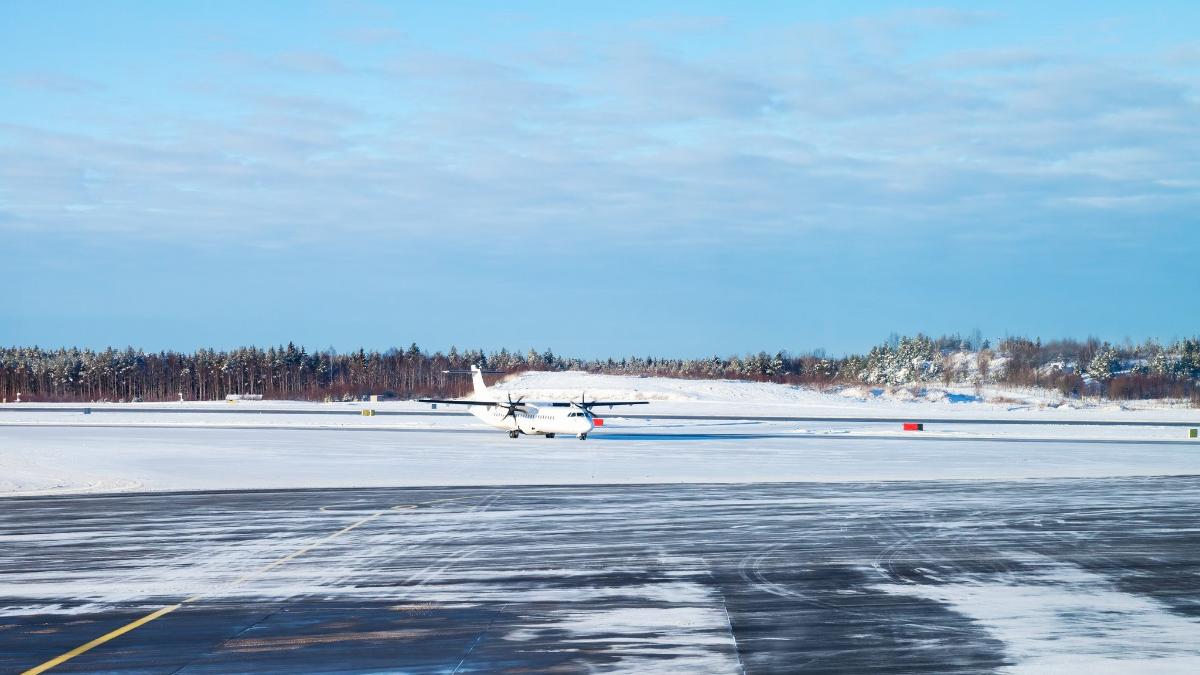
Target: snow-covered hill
739,397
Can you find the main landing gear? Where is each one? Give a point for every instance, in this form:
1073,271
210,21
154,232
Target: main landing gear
583,437
514,433
549,435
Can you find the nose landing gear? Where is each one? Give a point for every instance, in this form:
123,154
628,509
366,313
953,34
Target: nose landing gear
583,437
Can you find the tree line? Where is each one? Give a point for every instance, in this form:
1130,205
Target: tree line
1074,367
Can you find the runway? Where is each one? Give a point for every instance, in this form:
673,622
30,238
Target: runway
921,576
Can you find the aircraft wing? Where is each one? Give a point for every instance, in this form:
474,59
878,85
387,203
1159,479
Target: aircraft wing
455,401
589,404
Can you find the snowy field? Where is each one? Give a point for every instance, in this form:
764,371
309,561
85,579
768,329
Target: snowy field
66,459
195,446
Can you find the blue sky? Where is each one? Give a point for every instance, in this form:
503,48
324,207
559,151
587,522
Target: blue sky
671,179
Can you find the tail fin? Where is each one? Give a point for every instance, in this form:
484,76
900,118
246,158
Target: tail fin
481,391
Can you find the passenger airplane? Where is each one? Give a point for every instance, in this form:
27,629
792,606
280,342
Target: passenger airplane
516,417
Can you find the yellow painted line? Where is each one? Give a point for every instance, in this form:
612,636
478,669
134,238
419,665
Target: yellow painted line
267,568
399,507
59,660
451,499
340,506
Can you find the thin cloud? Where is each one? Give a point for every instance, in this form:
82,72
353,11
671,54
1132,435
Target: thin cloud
680,24
310,62
1001,58
573,135
56,82
372,35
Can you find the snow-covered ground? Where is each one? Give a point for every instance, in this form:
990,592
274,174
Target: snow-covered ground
41,460
1058,618
765,398
186,446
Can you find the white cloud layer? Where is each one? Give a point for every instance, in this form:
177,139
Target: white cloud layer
845,127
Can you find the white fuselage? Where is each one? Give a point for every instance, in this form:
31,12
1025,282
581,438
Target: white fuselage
532,419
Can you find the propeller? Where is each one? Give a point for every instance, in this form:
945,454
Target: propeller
583,404
512,407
